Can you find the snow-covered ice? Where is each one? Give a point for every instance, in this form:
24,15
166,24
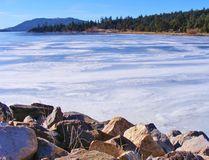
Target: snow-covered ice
144,78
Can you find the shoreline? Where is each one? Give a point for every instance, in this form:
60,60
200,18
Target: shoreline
164,33
116,32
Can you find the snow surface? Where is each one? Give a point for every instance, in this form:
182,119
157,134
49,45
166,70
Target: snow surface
144,78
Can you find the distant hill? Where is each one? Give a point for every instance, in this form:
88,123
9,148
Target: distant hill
28,25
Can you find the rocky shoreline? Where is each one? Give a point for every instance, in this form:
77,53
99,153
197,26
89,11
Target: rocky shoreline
44,132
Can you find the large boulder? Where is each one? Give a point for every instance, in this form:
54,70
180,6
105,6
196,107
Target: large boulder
55,117
74,134
159,137
195,145
117,126
81,154
178,139
82,117
17,143
36,111
48,150
144,141
5,113
178,156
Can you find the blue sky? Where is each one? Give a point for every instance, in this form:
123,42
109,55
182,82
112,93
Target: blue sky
13,12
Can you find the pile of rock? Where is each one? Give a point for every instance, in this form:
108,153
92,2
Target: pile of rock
43,132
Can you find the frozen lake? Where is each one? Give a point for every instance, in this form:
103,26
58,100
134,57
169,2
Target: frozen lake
144,78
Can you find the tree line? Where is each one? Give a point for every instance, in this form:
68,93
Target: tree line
181,22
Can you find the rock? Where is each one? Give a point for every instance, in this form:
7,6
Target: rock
55,117
81,154
195,145
117,126
144,141
123,143
17,143
174,133
129,155
37,111
44,133
100,136
29,120
74,134
5,113
205,151
160,138
178,140
118,147
48,150
178,156
82,117
107,148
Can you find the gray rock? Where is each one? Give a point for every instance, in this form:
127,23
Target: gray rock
195,145
36,110
55,117
5,113
17,143
179,139
48,150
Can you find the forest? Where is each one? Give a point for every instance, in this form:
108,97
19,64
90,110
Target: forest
178,22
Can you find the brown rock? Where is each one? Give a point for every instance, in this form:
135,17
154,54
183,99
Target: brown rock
81,154
117,126
159,137
129,155
107,148
144,141
123,143
100,136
